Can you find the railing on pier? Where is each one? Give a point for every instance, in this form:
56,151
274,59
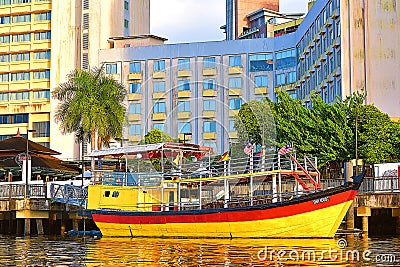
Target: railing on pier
17,191
370,184
69,194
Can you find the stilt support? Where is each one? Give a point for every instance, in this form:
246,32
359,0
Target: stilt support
27,227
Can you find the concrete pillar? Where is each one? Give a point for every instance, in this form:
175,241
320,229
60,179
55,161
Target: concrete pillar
364,212
27,227
75,224
64,217
365,225
350,218
39,226
18,229
396,214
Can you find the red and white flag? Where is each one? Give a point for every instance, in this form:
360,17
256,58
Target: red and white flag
248,148
286,149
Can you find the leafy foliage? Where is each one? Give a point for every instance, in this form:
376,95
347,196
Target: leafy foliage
327,131
156,136
90,103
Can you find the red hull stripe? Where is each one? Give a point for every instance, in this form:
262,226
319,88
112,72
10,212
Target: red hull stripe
228,216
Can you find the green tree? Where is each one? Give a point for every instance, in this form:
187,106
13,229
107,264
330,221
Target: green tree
91,103
378,136
255,121
156,136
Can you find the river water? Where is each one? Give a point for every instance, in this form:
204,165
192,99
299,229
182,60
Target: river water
57,251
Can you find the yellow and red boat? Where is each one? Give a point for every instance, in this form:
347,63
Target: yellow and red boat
258,198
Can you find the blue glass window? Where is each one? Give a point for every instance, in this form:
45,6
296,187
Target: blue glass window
135,67
159,107
184,106
159,65
261,81
135,108
209,105
135,88
134,129
184,127
261,62
235,103
210,126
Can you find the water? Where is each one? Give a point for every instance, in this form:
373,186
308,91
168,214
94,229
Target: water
45,251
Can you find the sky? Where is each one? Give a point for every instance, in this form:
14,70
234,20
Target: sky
182,21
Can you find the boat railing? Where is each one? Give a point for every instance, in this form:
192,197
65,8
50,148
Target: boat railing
127,178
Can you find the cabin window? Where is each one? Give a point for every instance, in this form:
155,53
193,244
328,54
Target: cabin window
107,193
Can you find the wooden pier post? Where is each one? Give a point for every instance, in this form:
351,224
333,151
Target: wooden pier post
39,226
27,227
350,217
75,224
364,212
365,225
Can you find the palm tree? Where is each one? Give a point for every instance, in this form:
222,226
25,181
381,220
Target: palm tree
91,104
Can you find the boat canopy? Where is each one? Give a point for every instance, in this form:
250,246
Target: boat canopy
150,151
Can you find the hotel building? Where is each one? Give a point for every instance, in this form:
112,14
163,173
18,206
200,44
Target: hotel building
41,41
197,88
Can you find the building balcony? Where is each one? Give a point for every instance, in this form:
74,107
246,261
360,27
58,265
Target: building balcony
21,8
36,101
21,27
40,84
209,92
335,13
260,90
235,70
184,115
159,95
233,112
184,73
41,6
337,72
134,117
135,96
22,46
41,45
336,42
135,138
135,76
233,135
329,22
20,85
41,64
184,137
184,94
41,26
209,72
234,91
19,66
159,75
209,114
208,136
4,86
159,116
5,10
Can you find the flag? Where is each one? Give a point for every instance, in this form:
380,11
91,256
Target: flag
286,149
178,159
224,157
248,148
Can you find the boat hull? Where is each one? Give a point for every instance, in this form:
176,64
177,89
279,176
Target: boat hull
314,216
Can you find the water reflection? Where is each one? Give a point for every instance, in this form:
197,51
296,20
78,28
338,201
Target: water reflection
43,251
